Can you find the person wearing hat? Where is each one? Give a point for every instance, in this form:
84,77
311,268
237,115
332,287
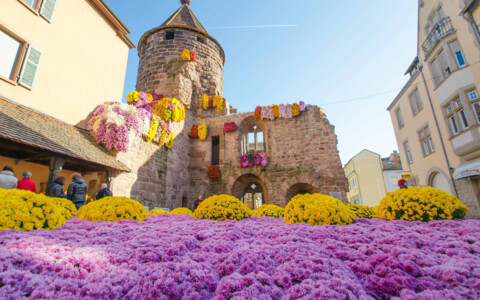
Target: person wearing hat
7,180
402,184
26,184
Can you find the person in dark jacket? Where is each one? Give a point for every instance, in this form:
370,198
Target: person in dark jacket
77,190
104,192
55,189
197,202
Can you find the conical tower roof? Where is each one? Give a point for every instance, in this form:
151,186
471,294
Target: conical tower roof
184,17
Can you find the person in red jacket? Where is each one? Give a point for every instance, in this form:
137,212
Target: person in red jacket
26,183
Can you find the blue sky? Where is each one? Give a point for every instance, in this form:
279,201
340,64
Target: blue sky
348,59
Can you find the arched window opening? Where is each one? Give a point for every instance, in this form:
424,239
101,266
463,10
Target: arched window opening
253,141
253,196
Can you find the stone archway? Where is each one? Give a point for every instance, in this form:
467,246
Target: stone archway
300,189
251,190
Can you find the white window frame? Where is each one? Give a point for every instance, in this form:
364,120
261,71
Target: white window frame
455,51
408,152
415,102
399,116
426,142
452,120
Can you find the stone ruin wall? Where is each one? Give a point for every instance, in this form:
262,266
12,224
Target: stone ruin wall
302,151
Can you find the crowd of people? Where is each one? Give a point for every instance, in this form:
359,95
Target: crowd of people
76,192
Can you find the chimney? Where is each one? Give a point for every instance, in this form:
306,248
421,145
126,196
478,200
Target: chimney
395,158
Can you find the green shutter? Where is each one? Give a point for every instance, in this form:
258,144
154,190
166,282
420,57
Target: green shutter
46,11
29,69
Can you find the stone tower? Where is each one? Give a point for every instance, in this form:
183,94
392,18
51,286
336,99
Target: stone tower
161,68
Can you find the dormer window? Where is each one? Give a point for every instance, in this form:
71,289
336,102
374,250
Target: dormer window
170,35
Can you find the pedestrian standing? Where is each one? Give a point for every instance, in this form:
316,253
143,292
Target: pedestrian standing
27,184
402,184
55,189
104,192
7,180
77,190
197,202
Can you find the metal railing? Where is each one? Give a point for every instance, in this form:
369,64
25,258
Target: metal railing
439,31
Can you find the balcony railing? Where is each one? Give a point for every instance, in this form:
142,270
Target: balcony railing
439,31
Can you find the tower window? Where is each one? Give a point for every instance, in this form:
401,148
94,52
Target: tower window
215,150
200,39
170,35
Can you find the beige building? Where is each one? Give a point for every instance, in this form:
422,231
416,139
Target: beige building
62,58
436,116
370,177
58,61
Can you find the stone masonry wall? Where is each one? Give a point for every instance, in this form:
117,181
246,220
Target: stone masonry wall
467,195
303,151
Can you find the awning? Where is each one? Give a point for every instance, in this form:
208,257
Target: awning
467,170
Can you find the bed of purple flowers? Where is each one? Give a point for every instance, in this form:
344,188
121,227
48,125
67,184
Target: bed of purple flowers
174,257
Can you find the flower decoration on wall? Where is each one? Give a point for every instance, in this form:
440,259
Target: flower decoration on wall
152,131
258,113
284,111
193,56
229,127
202,132
169,141
194,132
214,173
218,102
253,160
133,97
186,55
116,125
205,100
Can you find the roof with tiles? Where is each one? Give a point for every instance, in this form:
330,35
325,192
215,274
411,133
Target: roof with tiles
184,17
26,126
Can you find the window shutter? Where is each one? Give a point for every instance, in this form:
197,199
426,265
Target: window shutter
455,47
46,11
29,69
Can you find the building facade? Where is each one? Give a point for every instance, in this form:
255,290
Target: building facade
436,116
303,155
59,60
371,177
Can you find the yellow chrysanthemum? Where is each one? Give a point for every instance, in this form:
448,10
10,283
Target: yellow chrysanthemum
218,102
295,110
158,211
133,97
362,211
169,141
317,209
202,132
205,100
421,204
269,210
181,211
153,129
113,209
186,55
221,208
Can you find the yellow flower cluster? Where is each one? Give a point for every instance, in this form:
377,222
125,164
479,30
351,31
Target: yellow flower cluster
269,210
169,141
24,210
205,100
113,209
276,111
317,209
181,211
158,211
362,211
421,204
295,110
162,110
186,55
153,129
218,102
202,132
133,97
221,208
69,209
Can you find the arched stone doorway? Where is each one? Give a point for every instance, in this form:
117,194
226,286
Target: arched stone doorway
440,181
251,190
300,189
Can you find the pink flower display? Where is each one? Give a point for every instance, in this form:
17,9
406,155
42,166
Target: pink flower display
302,106
177,257
252,160
116,125
285,111
267,113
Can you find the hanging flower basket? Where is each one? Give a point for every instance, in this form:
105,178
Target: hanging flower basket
214,173
254,160
229,127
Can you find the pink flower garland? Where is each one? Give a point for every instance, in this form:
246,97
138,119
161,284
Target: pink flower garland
267,113
302,106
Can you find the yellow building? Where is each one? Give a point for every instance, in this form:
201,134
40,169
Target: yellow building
62,58
59,60
370,177
436,116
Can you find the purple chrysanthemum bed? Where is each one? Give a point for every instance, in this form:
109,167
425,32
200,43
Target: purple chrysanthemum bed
174,257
